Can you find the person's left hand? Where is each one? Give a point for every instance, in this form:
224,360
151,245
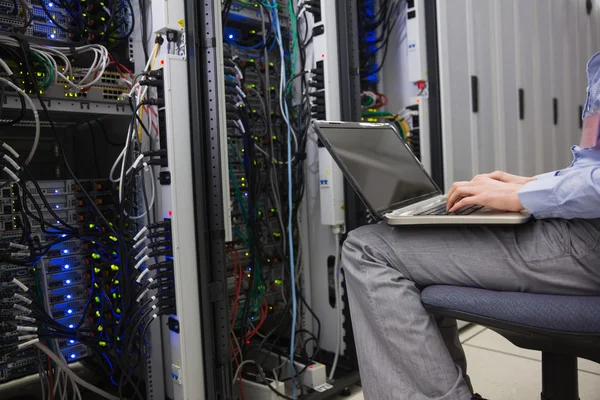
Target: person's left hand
484,191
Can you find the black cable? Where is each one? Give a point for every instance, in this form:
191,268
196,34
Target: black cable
58,140
144,22
115,144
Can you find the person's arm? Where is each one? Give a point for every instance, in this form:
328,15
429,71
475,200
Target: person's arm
574,193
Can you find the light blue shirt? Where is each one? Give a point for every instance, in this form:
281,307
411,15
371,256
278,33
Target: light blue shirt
573,192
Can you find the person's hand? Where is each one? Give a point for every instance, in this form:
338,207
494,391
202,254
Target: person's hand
485,191
506,177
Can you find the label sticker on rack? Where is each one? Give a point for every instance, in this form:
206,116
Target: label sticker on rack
181,23
323,388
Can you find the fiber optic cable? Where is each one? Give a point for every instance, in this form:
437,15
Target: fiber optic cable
282,86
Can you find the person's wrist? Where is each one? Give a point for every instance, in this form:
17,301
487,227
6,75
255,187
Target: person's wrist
516,200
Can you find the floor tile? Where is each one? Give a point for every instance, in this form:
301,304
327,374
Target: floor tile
501,376
494,341
469,332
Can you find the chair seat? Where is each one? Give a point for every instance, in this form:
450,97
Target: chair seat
566,314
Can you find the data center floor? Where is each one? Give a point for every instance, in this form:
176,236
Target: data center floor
501,371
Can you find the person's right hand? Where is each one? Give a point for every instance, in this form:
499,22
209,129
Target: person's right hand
505,177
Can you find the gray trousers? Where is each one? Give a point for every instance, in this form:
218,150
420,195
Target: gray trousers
403,352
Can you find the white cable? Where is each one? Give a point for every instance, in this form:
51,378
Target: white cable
5,67
14,177
11,162
10,150
20,284
140,233
22,298
144,273
72,374
140,262
142,252
140,242
27,344
36,139
152,196
141,296
338,301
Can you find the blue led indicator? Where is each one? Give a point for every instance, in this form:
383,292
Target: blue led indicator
65,251
73,356
67,266
69,311
71,326
68,281
69,297
71,341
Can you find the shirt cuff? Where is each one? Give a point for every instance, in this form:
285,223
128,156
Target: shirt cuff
546,175
538,198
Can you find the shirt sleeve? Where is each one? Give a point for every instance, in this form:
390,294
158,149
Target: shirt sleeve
574,193
546,175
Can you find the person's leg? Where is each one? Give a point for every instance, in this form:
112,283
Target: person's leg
401,351
448,328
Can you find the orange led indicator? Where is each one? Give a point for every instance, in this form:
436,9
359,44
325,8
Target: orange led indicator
162,62
170,213
323,55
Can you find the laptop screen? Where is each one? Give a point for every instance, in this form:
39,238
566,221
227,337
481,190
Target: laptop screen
381,165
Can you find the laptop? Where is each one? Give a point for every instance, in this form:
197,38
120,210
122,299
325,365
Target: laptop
392,182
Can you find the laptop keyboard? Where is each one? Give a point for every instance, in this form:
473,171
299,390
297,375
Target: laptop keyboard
441,210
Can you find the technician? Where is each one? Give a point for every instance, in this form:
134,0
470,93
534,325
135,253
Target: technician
406,353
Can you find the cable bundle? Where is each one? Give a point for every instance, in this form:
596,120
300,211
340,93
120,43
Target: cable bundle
57,65
93,21
267,136
107,234
375,29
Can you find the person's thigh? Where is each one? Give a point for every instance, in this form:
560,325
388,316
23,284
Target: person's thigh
542,256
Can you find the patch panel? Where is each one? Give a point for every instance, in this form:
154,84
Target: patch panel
18,369
48,31
28,365
26,353
58,15
27,281
14,270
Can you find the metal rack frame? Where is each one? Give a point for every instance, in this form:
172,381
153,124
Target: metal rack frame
205,74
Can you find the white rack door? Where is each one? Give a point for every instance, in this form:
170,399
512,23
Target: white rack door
527,59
